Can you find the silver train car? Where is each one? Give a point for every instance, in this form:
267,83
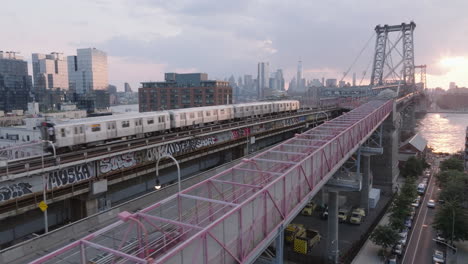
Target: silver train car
71,134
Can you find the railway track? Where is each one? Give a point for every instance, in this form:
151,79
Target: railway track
20,204
35,163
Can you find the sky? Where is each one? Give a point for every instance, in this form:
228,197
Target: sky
145,38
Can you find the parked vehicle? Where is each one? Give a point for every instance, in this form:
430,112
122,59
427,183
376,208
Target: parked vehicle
292,231
343,215
309,208
303,244
408,223
438,256
398,249
357,216
421,188
392,259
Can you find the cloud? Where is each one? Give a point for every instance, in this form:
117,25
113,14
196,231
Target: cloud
223,37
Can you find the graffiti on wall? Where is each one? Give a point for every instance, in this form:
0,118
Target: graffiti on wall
238,133
131,159
14,190
70,175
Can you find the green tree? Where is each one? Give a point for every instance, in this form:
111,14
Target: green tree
448,175
413,167
454,186
385,236
452,221
402,204
451,164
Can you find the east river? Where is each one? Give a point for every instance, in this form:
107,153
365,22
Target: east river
444,132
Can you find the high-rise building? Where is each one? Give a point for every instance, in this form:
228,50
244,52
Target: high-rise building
248,83
292,84
183,91
15,83
452,85
278,83
354,79
330,83
299,86
127,88
87,71
263,78
50,72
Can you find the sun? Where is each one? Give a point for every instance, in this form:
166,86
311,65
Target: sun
453,62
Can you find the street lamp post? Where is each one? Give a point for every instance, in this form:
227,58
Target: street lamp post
157,170
44,184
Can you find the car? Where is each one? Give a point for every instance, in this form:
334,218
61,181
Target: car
431,204
408,223
309,208
438,256
392,259
343,215
398,249
403,237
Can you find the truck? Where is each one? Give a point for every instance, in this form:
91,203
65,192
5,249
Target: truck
303,244
292,231
309,208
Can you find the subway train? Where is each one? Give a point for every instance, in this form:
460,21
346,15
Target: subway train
77,133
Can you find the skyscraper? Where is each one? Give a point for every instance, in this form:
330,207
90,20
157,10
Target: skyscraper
263,78
50,74
354,79
15,83
127,88
299,86
88,71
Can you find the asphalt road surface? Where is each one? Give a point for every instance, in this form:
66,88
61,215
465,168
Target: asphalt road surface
421,245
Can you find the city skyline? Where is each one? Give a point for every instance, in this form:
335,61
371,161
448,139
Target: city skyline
150,46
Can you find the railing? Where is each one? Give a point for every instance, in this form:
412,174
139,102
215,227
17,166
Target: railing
233,216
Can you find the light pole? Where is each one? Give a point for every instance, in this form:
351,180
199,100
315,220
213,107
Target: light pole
157,170
44,184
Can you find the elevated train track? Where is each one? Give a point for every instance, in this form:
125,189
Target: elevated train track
29,165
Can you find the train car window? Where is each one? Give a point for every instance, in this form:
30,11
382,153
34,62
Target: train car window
62,132
151,121
192,115
81,130
113,125
76,130
95,127
109,126
221,111
163,119
182,116
125,123
171,117
208,113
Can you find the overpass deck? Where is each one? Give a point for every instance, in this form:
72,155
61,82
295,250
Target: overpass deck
233,216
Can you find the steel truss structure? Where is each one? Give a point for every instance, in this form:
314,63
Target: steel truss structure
382,56
233,216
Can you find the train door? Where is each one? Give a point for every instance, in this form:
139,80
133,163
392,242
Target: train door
111,129
78,135
139,125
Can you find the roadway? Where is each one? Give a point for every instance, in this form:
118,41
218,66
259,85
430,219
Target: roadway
421,245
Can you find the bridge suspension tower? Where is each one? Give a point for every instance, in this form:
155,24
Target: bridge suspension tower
383,65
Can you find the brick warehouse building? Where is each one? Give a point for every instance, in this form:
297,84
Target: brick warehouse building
183,91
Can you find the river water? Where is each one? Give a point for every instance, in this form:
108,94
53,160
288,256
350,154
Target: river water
444,132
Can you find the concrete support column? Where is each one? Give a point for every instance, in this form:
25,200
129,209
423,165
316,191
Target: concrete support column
386,165
332,242
279,246
365,182
91,207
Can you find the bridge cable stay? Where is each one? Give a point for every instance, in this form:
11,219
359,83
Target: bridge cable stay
357,57
365,72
